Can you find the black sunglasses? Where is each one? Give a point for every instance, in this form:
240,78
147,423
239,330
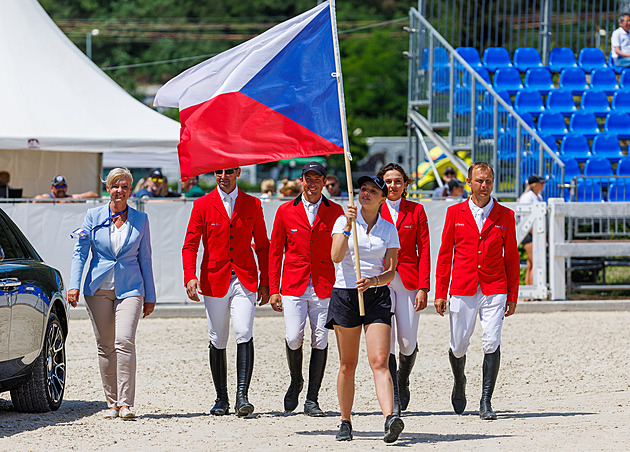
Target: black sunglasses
229,172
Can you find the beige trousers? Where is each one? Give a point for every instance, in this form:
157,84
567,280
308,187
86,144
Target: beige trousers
115,323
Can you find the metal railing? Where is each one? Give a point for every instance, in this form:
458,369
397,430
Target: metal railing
447,94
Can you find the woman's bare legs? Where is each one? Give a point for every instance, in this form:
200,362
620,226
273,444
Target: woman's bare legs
348,340
377,336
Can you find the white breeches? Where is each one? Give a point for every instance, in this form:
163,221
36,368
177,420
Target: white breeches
463,316
405,326
297,309
238,304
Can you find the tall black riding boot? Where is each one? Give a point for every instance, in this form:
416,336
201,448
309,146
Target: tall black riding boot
394,374
404,370
458,396
491,363
218,368
294,358
315,376
244,368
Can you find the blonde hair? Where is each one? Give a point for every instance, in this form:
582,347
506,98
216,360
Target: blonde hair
268,185
116,174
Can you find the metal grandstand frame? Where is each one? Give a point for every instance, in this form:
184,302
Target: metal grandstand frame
432,112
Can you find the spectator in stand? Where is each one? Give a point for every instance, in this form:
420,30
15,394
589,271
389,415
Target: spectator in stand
141,185
268,188
166,190
454,189
620,42
535,186
155,181
59,190
333,187
5,178
290,190
449,173
191,188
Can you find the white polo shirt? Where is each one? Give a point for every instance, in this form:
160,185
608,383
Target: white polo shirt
372,249
620,39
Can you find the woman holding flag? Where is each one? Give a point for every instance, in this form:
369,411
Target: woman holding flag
378,247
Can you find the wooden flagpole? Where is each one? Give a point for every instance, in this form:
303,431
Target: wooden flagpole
346,146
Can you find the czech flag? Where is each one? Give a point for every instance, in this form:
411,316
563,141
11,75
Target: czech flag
270,98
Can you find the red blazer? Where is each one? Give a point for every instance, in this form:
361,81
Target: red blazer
489,259
306,249
227,244
414,255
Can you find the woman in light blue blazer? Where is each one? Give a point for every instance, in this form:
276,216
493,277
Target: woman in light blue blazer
118,287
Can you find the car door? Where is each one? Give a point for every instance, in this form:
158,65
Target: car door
21,286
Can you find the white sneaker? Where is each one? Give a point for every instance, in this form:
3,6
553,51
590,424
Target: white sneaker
126,413
110,414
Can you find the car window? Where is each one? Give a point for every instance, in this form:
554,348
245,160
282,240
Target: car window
10,243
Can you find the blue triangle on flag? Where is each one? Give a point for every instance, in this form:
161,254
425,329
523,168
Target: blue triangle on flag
299,84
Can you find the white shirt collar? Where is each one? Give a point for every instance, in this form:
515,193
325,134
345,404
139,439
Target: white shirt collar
308,203
394,204
228,196
483,211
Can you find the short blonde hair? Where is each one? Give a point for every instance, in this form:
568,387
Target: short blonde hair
268,185
118,173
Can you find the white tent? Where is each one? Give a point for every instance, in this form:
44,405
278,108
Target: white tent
60,113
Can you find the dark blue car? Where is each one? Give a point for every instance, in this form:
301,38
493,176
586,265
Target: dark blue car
33,324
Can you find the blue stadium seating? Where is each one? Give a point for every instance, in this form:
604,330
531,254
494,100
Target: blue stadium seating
487,103
619,191
585,123
571,171
441,79
562,102
591,58
575,145
479,88
471,56
495,58
612,65
561,58
574,80
588,190
463,101
440,58
484,124
621,101
623,166
618,122
595,102
606,145
526,58
551,142
604,80
624,80
529,101
539,78
510,123
507,79
552,124
600,169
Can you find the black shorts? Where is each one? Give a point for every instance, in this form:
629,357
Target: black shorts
528,239
343,309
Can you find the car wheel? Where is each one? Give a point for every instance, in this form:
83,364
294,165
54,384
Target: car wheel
43,391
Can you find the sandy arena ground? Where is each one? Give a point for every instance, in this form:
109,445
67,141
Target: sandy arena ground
563,384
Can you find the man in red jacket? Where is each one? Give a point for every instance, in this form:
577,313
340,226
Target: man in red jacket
479,249
302,231
227,220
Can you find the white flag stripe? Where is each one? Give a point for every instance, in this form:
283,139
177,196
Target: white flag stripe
231,70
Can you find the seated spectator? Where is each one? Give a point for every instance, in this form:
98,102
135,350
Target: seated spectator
166,190
5,178
268,188
191,188
333,187
59,190
449,173
290,190
455,189
141,185
155,183
620,42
